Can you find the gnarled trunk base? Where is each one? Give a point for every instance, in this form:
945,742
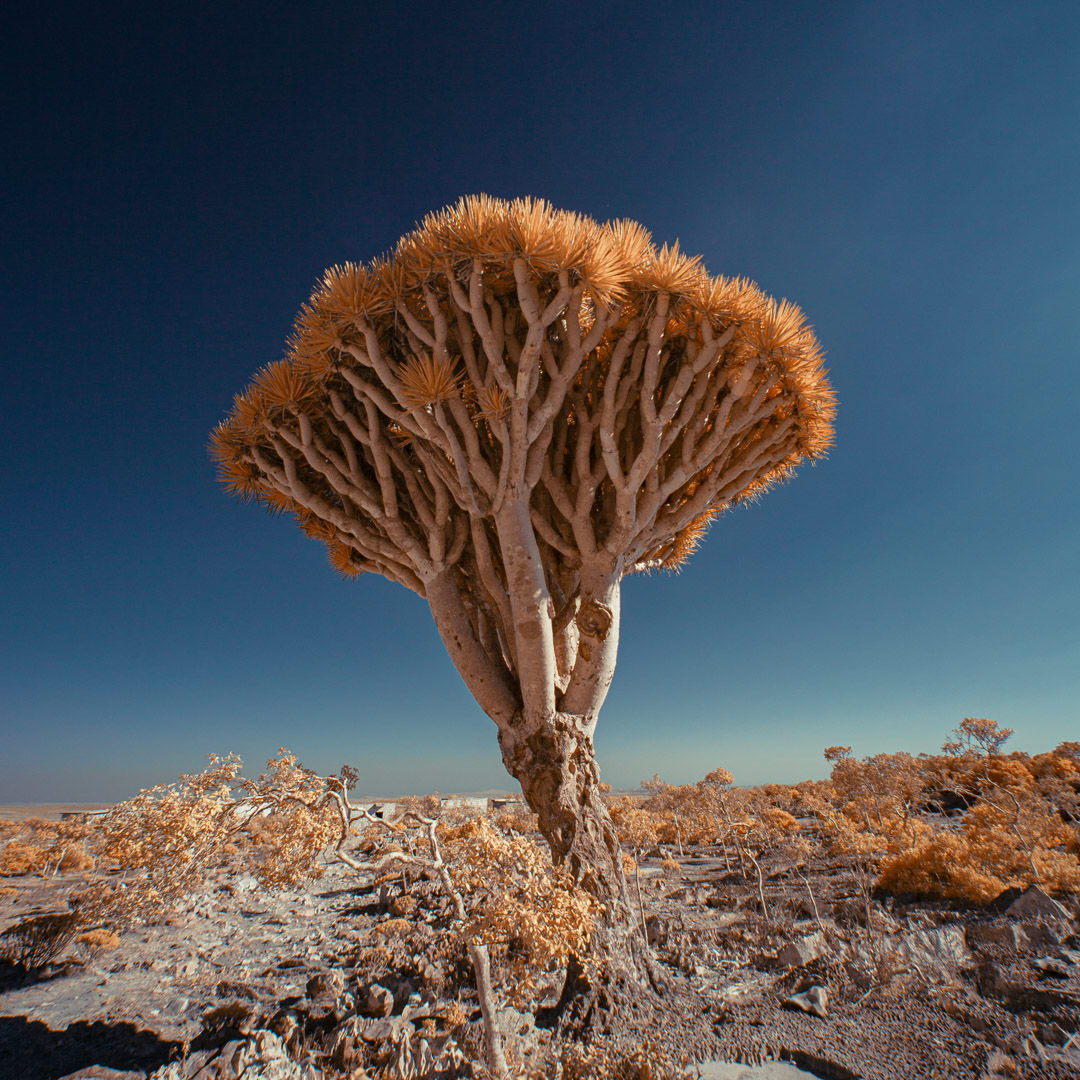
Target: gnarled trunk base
618,989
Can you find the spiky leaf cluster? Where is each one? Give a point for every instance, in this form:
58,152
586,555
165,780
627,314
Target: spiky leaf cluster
505,345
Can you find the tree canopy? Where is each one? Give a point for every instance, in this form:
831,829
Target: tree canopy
516,403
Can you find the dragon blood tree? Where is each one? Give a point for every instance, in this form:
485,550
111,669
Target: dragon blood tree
515,410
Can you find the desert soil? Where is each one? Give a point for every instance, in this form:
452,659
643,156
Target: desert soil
924,991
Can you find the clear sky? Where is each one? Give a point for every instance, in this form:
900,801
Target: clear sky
175,181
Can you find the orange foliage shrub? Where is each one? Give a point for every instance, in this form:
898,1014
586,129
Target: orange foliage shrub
94,942
18,858
638,827
1019,823
518,904
37,846
518,819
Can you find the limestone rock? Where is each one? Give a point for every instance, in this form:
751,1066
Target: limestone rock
377,1001
936,950
103,1072
771,1070
262,1056
1009,934
1050,965
800,952
1033,903
747,989
934,953
815,1001
347,1044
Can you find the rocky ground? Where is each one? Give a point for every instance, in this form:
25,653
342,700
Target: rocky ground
836,983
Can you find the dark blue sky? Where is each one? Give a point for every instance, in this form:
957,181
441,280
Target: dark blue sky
173,183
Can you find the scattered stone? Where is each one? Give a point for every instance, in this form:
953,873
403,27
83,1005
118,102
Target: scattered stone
327,984
1009,934
103,1072
1049,966
328,993
1018,995
434,975
377,1001
852,912
225,988
1033,903
654,929
799,953
233,1017
814,1001
262,1055
1052,1034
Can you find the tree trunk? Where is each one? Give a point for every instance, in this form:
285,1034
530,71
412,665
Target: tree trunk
616,986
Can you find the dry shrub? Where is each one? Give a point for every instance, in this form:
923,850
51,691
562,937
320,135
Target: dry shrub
519,819
940,867
1017,830
975,865
779,820
393,927
670,866
19,858
169,838
76,857
638,827
424,805
36,846
454,1015
8,892
304,821
93,943
35,942
166,837
525,909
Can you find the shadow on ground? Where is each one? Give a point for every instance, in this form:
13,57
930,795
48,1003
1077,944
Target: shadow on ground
31,1050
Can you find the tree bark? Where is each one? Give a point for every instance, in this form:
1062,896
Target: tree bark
616,986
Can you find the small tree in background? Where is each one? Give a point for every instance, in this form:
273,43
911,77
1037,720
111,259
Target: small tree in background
510,414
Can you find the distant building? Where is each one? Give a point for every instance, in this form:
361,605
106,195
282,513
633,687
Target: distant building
81,815
478,803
